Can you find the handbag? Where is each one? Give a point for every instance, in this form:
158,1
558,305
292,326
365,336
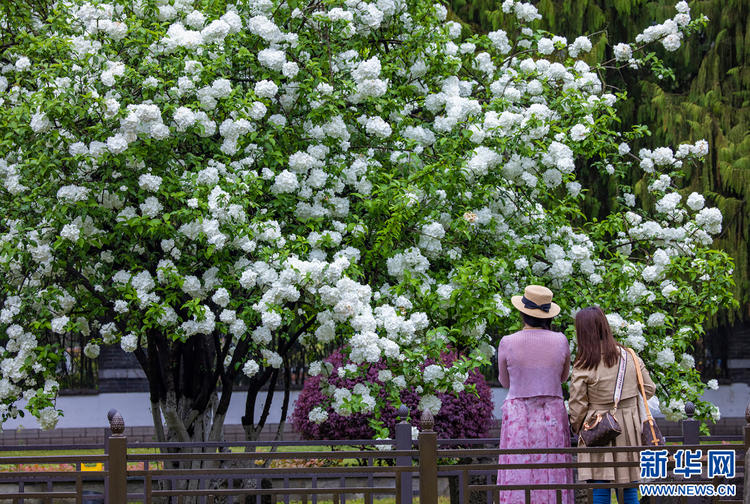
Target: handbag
602,429
650,433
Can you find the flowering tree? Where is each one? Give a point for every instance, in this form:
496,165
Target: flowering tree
206,184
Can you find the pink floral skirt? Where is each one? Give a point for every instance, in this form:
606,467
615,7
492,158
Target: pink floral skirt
535,422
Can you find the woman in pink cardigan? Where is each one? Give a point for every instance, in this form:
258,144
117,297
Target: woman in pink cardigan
533,364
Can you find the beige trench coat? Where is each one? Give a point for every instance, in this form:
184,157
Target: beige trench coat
591,393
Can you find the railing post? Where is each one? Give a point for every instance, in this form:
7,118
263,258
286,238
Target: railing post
691,435
107,435
403,442
691,429
118,461
746,435
428,493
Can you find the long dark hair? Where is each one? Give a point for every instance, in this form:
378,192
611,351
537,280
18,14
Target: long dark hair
531,321
595,340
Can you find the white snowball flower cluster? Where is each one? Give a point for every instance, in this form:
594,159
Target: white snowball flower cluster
285,182
430,402
674,411
411,260
91,350
274,360
579,45
715,413
129,343
634,336
340,398
655,272
48,418
250,368
429,241
696,201
656,320
266,89
378,127
668,32
665,357
433,373
579,132
318,415
500,41
23,63
221,297
710,219
367,77
623,52
58,324
687,362
149,182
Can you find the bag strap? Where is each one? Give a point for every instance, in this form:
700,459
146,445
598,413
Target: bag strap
620,377
640,382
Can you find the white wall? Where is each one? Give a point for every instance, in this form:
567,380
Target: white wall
91,411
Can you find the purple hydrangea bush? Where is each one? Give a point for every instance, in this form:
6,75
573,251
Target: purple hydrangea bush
465,416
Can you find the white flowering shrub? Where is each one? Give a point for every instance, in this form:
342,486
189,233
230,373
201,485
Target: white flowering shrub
206,187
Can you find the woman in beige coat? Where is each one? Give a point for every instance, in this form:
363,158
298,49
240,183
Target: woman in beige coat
592,386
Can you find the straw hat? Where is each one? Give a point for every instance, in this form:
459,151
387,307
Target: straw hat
537,302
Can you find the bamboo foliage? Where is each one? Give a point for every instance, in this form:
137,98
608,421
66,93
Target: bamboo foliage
714,105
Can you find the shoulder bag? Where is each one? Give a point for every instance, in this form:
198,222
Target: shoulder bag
604,428
650,434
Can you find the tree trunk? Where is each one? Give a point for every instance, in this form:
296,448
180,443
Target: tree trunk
186,403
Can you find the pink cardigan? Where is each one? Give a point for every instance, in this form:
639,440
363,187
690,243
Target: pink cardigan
533,362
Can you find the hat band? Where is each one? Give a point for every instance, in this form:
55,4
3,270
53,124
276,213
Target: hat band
533,306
